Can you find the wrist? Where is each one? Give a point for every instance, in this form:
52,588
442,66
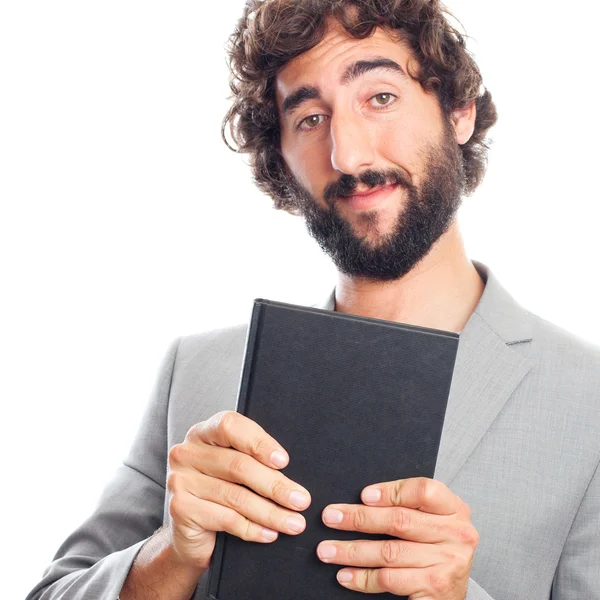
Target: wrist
175,559
158,572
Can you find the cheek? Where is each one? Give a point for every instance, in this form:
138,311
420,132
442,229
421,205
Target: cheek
406,133
404,142
309,165
399,145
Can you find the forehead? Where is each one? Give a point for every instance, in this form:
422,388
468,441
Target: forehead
326,60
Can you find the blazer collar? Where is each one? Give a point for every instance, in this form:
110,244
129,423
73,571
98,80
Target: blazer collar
502,313
488,369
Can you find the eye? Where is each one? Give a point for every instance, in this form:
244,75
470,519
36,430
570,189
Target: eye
383,99
310,122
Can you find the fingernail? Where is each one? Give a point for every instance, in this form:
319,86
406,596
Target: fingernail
372,495
299,500
278,458
326,551
295,524
333,516
268,534
344,576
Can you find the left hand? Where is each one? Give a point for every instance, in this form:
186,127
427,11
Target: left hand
431,561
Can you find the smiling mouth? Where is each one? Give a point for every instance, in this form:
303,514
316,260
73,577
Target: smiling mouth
369,198
370,190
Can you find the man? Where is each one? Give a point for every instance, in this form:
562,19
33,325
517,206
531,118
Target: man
366,119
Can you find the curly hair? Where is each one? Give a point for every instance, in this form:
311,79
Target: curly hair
272,32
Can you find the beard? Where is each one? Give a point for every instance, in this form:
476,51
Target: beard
426,215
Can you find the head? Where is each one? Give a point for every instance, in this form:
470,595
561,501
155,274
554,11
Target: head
333,99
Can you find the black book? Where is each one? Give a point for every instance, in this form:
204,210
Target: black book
354,401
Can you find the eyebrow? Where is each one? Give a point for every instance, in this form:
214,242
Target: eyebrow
351,72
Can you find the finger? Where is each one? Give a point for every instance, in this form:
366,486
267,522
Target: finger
420,493
230,429
230,465
255,508
397,521
191,513
379,554
401,582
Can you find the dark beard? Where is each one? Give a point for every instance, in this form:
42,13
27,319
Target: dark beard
427,214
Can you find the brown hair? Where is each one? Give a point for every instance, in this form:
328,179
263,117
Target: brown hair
272,32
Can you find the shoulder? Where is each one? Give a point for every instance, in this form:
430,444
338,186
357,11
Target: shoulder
222,342
213,340
572,355
213,346
564,381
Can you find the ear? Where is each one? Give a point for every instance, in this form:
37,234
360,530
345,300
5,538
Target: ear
463,120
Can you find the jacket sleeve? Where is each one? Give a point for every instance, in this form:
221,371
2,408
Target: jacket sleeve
578,572
93,562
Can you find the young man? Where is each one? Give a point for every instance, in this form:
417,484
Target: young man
366,119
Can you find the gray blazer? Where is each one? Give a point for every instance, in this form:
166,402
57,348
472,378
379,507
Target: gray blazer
520,445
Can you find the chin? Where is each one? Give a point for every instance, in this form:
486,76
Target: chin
374,225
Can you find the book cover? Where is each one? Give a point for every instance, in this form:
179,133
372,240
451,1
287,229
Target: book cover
354,401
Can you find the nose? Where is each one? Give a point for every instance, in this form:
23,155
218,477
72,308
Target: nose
351,149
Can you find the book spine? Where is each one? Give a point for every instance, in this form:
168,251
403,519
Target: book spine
249,357
216,565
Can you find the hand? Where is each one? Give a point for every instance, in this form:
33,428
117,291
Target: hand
207,475
431,561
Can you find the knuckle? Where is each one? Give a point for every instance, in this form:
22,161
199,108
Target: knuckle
395,498
461,560
370,579
193,431
467,534
259,446
275,518
177,454
450,556
230,520
176,508
226,421
279,489
390,553
350,552
425,491
248,531
175,482
238,467
474,538
439,582
235,497
216,418
359,519
382,579
400,522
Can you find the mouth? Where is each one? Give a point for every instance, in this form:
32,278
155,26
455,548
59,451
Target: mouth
368,199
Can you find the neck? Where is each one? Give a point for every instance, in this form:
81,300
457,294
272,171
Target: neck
440,292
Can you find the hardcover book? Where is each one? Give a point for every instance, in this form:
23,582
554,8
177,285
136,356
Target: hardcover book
354,401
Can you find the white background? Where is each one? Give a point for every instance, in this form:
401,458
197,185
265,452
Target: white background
126,222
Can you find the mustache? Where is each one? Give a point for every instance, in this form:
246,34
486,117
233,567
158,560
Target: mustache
347,184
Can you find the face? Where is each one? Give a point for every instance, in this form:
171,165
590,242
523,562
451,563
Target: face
374,166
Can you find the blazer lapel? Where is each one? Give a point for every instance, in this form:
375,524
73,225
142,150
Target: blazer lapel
487,372
488,369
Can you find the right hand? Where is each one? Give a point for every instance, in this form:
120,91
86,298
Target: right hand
207,475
